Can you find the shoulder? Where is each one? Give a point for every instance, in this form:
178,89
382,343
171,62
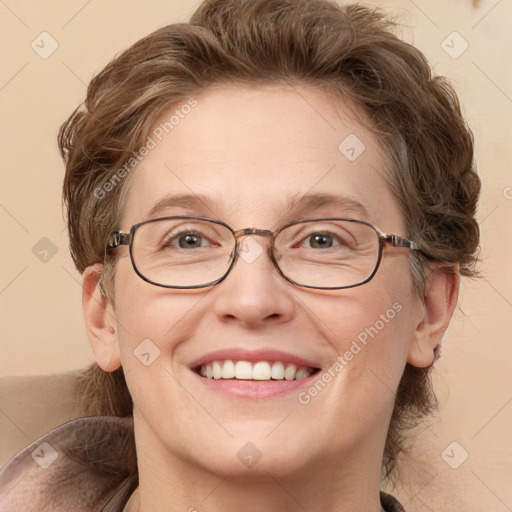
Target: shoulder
85,463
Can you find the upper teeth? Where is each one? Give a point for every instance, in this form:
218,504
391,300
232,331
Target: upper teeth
261,370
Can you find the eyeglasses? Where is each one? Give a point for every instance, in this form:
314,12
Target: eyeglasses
196,252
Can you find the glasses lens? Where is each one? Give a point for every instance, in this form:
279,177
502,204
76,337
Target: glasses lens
182,252
328,254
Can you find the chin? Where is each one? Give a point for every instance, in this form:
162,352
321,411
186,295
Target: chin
252,455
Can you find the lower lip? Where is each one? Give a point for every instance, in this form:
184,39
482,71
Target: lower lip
255,389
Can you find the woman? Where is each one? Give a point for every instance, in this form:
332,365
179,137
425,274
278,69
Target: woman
271,206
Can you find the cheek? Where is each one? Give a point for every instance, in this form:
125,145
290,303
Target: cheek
157,317
152,327
368,329
150,318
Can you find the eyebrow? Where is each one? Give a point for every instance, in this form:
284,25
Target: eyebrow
303,203
296,205
196,202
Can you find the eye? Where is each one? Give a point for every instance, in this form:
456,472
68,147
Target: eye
186,240
321,241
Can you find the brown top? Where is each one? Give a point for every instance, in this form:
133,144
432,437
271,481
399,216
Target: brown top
86,465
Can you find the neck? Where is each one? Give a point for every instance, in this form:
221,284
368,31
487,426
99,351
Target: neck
346,483
273,495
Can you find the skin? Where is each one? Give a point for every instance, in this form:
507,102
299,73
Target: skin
251,148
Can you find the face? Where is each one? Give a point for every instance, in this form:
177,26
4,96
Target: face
251,157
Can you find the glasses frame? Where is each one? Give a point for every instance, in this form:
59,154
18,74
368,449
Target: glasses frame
119,238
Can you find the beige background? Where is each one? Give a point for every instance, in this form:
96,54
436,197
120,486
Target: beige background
41,322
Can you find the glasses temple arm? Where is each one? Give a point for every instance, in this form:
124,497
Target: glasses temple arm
118,238
400,241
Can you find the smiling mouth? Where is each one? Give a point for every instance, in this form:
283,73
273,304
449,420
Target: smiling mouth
259,370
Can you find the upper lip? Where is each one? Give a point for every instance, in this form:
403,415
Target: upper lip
240,354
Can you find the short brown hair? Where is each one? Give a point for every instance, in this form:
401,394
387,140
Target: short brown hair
350,51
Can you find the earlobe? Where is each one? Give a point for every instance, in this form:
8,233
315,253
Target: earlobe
100,321
434,315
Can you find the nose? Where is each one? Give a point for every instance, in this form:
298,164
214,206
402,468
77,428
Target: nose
254,293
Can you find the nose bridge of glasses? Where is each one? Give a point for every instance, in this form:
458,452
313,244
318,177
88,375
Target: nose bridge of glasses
253,232
255,249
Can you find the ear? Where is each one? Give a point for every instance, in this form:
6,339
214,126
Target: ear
100,321
435,312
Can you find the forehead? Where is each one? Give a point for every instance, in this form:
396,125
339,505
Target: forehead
251,155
